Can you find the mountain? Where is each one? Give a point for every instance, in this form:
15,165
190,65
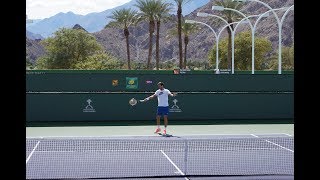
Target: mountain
94,22
200,43
77,26
49,25
33,36
34,21
33,50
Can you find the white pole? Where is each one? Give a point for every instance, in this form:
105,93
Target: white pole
252,50
278,21
215,34
217,54
232,65
280,38
252,36
243,15
280,50
223,29
217,41
255,26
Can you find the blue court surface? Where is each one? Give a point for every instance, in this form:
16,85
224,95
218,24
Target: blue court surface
252,156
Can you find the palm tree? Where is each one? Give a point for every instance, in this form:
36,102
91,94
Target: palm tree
161,14
124,18
148,10
187,29
231,17
179,14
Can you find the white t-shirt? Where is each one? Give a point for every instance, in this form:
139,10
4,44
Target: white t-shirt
162,96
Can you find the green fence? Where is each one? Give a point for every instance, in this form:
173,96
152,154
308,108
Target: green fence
200,106
116,81
102,96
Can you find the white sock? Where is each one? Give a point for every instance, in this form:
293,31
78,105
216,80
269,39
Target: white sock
158,126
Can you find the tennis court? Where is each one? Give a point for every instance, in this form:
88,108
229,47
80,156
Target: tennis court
182,156
105,150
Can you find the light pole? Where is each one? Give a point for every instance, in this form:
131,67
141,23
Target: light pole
280,35
215,34
255,26
232,37
279,29
201,14
252,39
221,8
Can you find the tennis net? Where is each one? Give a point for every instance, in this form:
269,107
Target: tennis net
156,156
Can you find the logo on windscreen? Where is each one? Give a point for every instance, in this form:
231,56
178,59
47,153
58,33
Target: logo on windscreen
89,107
175,107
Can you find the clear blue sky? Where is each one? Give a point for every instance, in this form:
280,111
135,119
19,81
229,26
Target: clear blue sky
40,9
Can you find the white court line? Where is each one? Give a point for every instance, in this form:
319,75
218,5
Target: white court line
274,143
57,151
287,134
34,137
279,146
35,147
173,164
254,135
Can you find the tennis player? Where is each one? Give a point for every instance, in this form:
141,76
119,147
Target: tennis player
163,106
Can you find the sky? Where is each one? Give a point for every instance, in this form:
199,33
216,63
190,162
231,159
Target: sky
40,9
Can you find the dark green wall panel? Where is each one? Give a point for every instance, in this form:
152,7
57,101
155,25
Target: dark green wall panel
69,107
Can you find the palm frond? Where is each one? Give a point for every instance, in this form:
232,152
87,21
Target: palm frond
122,18
181,2
148,9
230,15
186,29
163,10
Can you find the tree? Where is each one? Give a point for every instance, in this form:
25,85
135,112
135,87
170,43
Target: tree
231,17
161,14
44,62
29,64
179,14
287,59
99,62
68,47
243,52
186,29
124,18
148,9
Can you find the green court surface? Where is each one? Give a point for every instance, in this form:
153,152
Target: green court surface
238,129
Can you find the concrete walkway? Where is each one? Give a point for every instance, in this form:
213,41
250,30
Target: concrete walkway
148,130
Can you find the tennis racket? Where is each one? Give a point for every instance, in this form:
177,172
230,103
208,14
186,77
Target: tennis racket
134,102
